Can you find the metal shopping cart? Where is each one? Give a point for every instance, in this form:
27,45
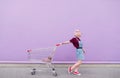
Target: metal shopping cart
44,55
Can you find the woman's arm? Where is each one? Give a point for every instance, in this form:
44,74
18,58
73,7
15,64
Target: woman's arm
83,50
66,42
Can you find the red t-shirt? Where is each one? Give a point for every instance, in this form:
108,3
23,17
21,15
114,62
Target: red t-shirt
75,42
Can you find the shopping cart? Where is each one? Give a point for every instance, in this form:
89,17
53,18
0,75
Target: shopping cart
44,56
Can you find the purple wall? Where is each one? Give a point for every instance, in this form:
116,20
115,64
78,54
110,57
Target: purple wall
28,24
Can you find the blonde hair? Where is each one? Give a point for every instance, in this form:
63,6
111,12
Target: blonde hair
77,30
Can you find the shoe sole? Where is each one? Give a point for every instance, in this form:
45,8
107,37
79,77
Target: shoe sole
77,74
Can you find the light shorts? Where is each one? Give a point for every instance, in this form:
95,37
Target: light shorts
80,54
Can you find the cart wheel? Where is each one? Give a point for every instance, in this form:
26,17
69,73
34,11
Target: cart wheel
33,72
54,73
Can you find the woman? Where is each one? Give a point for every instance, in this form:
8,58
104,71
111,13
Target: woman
76,41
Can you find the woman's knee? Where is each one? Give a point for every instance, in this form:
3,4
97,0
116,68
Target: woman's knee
79,62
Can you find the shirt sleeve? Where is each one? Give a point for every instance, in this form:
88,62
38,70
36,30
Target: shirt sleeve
72,40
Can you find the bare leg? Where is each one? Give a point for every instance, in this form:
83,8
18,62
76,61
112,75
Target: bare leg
76,66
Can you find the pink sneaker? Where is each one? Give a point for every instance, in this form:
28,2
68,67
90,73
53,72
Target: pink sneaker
76,73
69,69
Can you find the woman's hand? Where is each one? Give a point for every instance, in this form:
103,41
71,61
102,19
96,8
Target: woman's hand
59,44
83,51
